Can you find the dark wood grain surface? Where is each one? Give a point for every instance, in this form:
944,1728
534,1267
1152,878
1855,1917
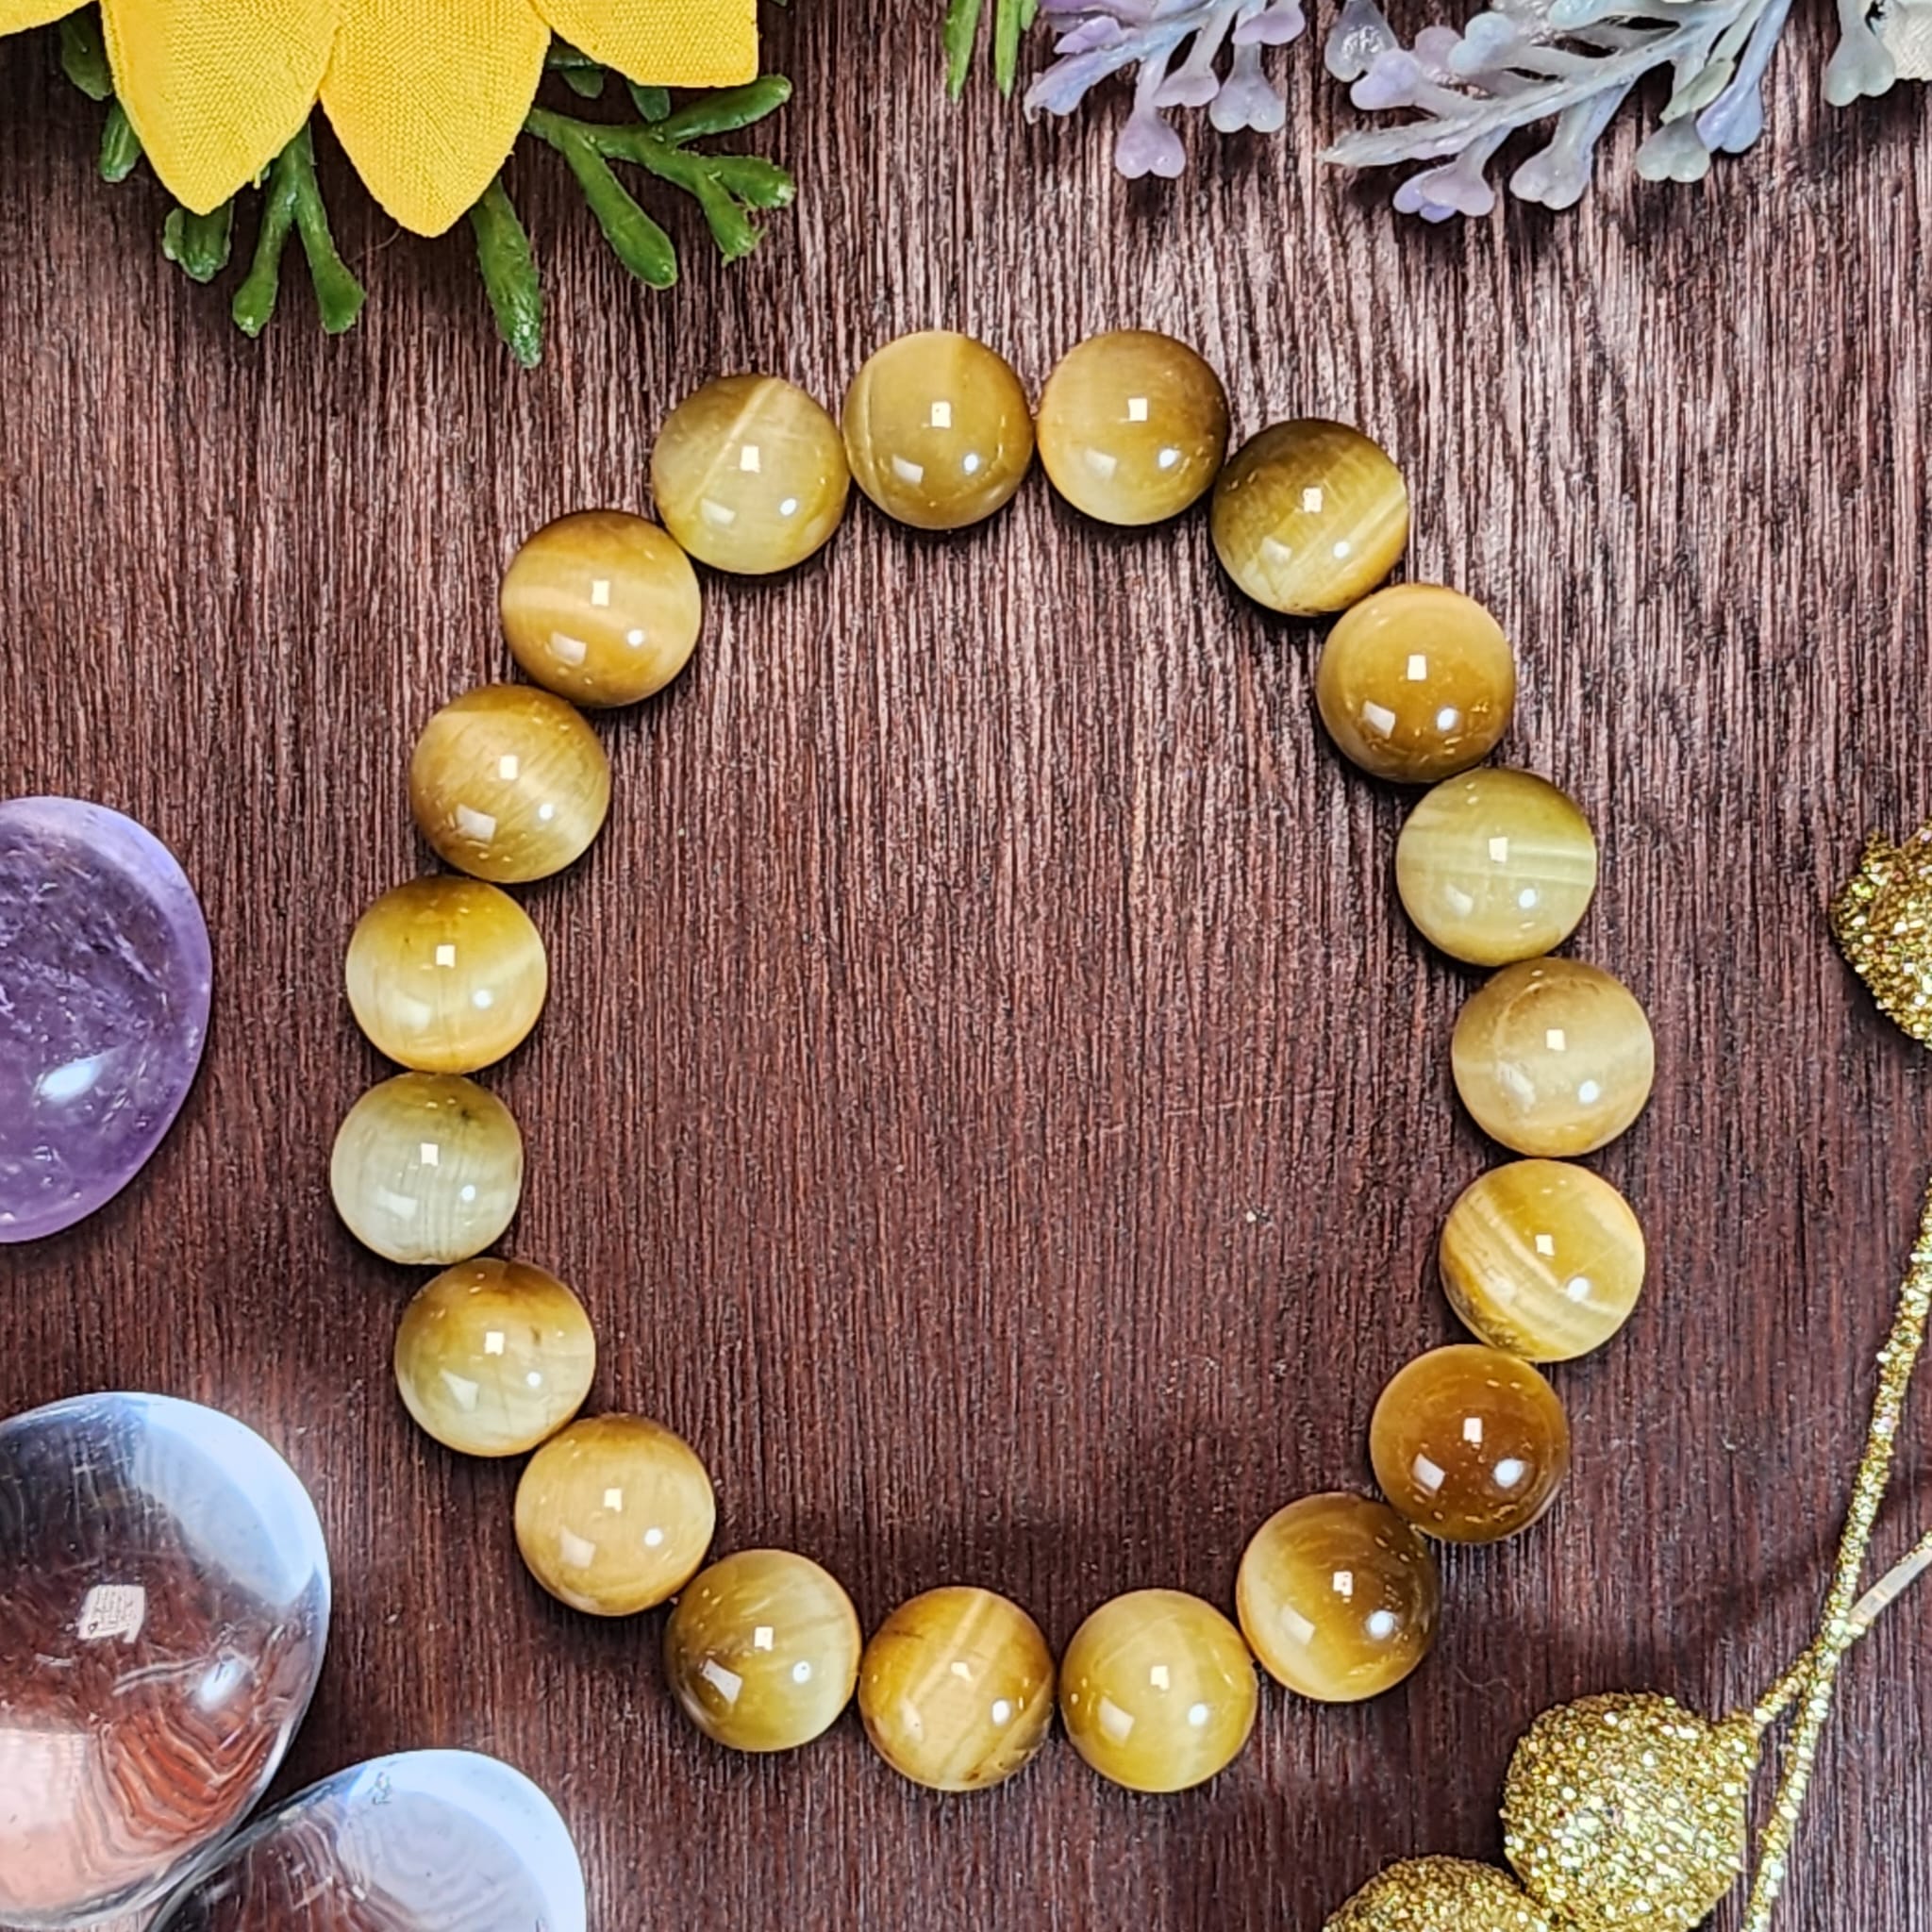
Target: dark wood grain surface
991,1099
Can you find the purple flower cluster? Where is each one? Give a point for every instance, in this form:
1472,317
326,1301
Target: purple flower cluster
1175,50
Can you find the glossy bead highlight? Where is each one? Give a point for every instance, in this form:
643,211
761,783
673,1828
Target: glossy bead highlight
957,1689
762,1651
614,1515
1158,1691
1416,683
1496,866
509,784
428,1169
446,974
1543,1260
1552,1057
601,608
494,1358
1309,517
749,475
1470,1444
1133,428
937,430
1339,1597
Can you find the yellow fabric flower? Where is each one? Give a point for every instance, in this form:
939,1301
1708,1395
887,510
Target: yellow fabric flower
425,95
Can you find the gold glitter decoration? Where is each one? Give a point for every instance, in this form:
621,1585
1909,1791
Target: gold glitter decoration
1883,924
1441,1895
1629,1810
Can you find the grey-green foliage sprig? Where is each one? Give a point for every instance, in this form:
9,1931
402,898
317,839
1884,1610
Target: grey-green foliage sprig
728,188
1011,20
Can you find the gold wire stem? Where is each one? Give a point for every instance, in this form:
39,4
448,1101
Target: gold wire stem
1817,1670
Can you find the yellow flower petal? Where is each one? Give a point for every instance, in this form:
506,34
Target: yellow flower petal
16,16
664,42
427,97
216,89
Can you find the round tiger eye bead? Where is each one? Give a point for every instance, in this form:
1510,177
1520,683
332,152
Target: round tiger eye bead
446,974
1495,866
1416,683
494,1358
1133,428
1543,1260
1469,1443
1339,1597
614,1515
1309,517
428,1169
957,1689
1158,1691
937,430
762,1651
1552,1057
601,608
749,475
510,784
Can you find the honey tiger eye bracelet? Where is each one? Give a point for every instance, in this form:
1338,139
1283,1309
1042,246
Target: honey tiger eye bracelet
1336,1595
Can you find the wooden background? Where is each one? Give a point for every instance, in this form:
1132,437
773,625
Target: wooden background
991,1099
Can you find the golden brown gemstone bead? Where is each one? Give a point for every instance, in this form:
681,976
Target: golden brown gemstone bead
1543,1260
601,608
1470,1444
1158,1691
1552,1057
1309,517
446,974
510,784
614,1515
494,1357
1133,428
749,475
957,1688
428,1169
1496,866
762,1651
1416,683
937,430
1339,1597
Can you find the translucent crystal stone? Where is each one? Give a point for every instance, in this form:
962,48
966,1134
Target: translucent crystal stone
601,608
164,1601
937,430
427,1841
494,1357
1158,1691
614,1515
957,1689
428,1169
762,1650
104,978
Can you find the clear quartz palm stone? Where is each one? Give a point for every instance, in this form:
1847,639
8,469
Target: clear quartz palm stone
164,1600
427,1841
104,979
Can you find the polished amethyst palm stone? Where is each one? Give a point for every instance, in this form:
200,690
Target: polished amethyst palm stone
427,1842
164,1600
105,976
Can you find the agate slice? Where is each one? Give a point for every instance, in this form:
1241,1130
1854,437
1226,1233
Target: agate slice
104,974
427,1841
164,1600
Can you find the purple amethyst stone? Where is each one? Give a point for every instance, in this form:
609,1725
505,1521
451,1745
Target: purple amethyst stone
105,978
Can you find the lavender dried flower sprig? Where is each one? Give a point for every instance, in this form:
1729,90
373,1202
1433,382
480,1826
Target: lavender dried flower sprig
1572,63
1096,39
